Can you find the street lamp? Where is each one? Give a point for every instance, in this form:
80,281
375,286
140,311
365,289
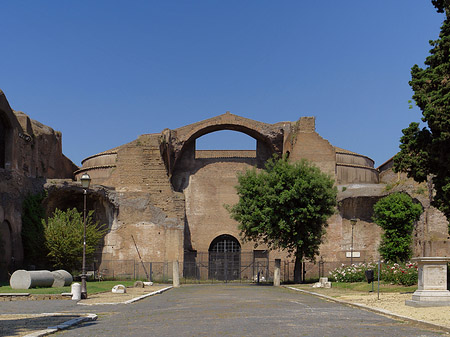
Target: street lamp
353,221
85,182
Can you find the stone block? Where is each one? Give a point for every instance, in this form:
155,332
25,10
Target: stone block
119,289
138,284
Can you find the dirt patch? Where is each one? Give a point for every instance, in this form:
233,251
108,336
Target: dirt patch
109,297
392,302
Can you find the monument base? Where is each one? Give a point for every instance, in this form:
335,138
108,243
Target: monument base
432,286
422,304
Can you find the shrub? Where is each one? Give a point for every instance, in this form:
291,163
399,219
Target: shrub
396,214
64,238
33,237
402,274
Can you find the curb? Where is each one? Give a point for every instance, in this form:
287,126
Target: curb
160,291
378,311
63,326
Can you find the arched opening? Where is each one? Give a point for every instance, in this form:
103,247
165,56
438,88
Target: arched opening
4,131
6,253
225,258
68,198
226,140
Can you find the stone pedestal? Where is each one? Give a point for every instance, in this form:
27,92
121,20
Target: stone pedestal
176,274
432,288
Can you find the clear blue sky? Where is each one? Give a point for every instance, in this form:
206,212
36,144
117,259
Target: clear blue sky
104,72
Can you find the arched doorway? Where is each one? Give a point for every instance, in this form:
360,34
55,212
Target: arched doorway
224,258
6,252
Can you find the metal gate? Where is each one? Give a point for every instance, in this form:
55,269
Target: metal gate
227,266
224,260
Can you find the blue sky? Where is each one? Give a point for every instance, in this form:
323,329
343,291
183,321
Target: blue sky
104,72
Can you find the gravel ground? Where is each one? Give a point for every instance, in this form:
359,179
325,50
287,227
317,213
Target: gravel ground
392,302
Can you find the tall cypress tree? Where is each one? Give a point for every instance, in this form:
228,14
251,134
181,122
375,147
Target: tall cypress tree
426,152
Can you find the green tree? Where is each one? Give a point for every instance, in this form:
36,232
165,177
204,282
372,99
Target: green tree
285,206
33,238
64,238
396,214
425,152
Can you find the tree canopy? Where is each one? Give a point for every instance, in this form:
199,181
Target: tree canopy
64,238
396,214
285,206
424,152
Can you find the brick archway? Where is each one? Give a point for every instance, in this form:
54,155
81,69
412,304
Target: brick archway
174,143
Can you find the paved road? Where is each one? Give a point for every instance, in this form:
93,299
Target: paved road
229,310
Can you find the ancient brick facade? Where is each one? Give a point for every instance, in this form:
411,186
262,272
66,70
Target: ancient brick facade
30,152
184,190
165,200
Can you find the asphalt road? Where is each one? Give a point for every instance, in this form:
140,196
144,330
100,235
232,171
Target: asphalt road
227,310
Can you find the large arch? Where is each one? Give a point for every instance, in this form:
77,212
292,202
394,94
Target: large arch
67,196
175,143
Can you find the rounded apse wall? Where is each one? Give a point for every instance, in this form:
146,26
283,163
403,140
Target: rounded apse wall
99,166
352,168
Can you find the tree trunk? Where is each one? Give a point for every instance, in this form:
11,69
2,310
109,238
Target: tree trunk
298,269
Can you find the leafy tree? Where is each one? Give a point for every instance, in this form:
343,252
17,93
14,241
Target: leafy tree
33,238
440,5
396,214
285,206
425,152
64,238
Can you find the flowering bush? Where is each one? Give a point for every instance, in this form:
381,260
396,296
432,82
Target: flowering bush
353,273
403,274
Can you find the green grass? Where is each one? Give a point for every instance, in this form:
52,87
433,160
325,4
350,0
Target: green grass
366,287
92,288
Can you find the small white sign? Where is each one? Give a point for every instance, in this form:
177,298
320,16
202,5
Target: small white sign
355,254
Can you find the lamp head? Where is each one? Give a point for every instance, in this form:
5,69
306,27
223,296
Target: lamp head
353,221
85,180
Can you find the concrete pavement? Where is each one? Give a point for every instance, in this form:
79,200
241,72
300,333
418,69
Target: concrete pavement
233,310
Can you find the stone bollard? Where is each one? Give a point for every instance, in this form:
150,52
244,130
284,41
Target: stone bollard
62,278
22,279
277,273
176,275
76,291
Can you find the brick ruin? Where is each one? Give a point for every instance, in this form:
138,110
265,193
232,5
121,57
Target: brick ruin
162,196
30,153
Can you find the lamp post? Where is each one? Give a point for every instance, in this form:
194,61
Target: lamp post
85,182
353,221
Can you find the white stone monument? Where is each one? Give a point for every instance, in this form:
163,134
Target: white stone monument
432,288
